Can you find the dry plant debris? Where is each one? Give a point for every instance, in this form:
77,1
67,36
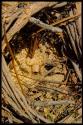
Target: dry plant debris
49,85
46,93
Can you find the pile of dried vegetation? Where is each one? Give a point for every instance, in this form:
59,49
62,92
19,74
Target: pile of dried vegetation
41,62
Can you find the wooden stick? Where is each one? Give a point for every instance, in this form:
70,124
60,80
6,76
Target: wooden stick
71,29
40,87
77,38
77,70
5,37
72,42
61,4
45,26
74,11
48,103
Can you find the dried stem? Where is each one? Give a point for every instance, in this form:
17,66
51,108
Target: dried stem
12,55
77,70
72,41
48,103
40,87
45,26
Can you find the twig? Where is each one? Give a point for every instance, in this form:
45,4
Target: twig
45,26
48,103
15,16
40,87
71,29
77,38
74,11
63,120
77,70
72,41
10,50
65,82
16,120
61,4
6,109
